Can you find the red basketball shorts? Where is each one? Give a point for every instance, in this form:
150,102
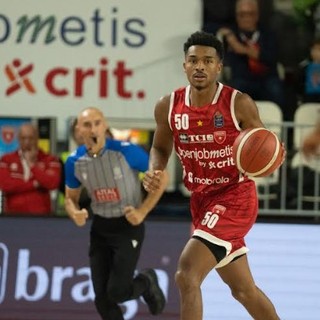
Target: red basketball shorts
222,219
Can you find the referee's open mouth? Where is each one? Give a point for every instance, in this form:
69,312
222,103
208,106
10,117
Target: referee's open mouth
94,139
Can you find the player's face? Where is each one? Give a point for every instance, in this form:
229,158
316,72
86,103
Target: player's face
92,128
202,66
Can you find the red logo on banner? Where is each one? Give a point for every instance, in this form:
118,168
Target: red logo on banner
18,77
7,134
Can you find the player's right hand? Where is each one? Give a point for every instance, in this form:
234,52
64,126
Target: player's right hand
152,180
80,217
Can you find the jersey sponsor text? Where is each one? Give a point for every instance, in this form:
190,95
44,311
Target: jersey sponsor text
107,195
204,153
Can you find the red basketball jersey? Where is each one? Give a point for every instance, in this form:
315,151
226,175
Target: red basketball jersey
203,139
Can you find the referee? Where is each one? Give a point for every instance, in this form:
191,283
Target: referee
109,170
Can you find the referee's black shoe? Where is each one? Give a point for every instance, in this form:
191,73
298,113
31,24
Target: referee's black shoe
153,296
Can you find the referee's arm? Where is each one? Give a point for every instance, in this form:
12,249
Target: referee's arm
77,215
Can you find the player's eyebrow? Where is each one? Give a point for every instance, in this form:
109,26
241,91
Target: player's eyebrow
195,56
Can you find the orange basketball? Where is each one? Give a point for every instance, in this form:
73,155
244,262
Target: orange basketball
257,152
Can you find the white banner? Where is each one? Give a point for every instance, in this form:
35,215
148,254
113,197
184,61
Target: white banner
121,55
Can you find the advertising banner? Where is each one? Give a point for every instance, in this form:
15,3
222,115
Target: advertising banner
119,55
44,272
45,275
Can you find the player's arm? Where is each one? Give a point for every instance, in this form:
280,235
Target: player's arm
77,215
246,112
248,116
136,215
72,194
161,146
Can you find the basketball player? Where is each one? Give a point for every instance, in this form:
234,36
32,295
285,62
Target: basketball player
201,121
109,170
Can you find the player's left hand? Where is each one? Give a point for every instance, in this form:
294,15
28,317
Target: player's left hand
134,215
152,180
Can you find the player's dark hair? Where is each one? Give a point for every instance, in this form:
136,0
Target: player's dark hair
201,38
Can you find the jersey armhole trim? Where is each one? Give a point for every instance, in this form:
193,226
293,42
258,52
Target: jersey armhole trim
232,109
170,109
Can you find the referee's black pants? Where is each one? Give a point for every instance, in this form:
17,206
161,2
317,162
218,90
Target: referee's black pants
115,247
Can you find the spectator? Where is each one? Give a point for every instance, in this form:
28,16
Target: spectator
221,13
28,175
84,199
304,173
217,14
251,55
109,170
309,75
311,143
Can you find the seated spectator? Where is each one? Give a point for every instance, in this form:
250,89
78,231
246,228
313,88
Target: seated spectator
309,75
84,199
311,143
221,13
217,14
304,173
251,55
28,175
64,155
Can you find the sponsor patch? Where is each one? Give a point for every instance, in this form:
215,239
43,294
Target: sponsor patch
183,137
218,120
107,195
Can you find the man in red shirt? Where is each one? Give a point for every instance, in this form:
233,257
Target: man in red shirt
27,176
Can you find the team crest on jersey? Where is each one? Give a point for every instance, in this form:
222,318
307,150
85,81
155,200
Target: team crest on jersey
218,120
183,137
220,136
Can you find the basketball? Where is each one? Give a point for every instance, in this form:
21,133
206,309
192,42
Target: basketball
257,152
